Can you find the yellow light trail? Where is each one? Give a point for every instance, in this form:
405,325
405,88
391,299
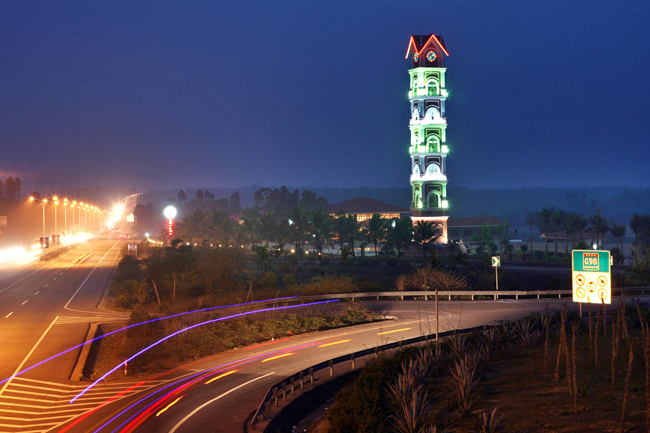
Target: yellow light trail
276,357
170,405
220,376
332,344
397,330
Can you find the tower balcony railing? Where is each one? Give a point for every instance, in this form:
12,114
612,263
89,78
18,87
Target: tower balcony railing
422,93
430,176
425,121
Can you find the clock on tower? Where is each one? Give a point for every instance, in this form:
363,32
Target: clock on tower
428,128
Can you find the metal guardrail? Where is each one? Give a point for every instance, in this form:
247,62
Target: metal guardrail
287,386
472,294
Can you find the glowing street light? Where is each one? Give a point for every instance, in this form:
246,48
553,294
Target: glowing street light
170,213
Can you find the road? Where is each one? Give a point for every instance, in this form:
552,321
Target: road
45,308
219,393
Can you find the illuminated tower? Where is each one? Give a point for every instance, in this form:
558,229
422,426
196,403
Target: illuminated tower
428,125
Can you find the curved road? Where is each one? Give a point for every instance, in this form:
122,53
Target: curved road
219,393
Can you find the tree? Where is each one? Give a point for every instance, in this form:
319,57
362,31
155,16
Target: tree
400,233
349,230
425,232
575,223
199,196
598,227
194,227
375,231
485,238
321,226
182,198
532,220
618,231
544,222
310,201
524,248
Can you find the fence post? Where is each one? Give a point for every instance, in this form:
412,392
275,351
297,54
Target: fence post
275,396
301,380
292,386
311,376
495,296
425,297
331,365
353,363
284,391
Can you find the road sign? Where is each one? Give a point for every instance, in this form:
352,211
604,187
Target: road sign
592,280
496,261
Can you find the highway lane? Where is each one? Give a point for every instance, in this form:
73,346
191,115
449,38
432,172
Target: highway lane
46,307
199,403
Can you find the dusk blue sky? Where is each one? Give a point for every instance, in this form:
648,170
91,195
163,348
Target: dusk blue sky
165,94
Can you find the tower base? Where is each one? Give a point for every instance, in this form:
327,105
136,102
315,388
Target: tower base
442,220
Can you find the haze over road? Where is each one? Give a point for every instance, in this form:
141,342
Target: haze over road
45,308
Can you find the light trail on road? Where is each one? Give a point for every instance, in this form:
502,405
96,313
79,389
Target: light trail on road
134,325
151,346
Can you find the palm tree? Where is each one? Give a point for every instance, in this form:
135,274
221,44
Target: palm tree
598,227
299,226
531,220
618,231
544,221
349,230
194,227
425,232
375,231
267,227
639,225
400,233
321,229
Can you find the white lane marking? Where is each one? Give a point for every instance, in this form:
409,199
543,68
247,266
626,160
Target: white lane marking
24,302
215,399
84,282
47,284
9,314
37,293
53,278
27,357
61,273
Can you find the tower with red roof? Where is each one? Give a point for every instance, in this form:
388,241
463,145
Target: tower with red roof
428,147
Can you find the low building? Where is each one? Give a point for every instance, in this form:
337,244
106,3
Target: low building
462,229
365,207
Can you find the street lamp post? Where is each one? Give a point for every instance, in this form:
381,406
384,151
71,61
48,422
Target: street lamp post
56,227
65,215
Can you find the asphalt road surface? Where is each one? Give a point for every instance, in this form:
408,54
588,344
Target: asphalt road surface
45,308
219,393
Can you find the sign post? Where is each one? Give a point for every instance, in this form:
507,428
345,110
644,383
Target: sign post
496,262
591,274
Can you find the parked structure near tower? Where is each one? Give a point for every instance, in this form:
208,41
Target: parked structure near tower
428,125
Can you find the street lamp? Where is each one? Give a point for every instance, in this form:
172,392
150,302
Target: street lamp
170,213
65,215
56,228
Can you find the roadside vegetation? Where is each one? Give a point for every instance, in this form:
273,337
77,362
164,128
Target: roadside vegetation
553,372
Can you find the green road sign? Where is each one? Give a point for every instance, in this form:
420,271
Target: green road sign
591,274
496,261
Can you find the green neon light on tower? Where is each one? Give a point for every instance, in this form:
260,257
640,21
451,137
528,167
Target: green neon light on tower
428,146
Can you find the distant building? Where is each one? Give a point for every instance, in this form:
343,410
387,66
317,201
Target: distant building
462,229
365,207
